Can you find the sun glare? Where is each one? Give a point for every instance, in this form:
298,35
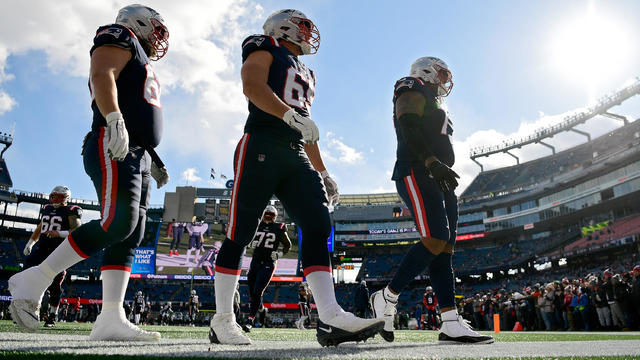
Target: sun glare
589,49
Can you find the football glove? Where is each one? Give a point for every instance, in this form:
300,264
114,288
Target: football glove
332,188
275,255
443,175
118,146
303,124
28,247
161,175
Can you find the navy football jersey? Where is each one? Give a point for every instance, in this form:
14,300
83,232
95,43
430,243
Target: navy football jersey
267,239
56,219
139,302
289,79
303,296
437,129
138,89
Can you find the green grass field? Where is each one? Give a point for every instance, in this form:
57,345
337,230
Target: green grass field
195,338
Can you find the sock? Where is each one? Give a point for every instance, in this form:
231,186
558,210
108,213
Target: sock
114,287
413,264
389,296
441,275
451,315
225,287
188,256
195,258
228,263
53,310
321,285
137,317
62,258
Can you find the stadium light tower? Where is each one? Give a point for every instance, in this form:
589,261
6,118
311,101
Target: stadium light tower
6,140
602,107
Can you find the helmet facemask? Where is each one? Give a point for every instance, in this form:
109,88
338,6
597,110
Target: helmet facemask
148,26
295,27
59,196
435,72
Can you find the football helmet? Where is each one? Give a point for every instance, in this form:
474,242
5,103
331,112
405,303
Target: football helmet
429,288
270,214
294,26
60,195
433,71
148,26
193,292
607,273
139,293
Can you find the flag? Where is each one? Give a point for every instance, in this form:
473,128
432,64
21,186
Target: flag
213,174
223,177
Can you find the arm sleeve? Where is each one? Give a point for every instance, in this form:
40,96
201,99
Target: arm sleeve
410,128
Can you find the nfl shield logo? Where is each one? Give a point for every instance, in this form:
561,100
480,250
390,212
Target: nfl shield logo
261,157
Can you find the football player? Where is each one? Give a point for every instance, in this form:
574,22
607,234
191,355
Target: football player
196,232
279,154
138,307
166,314
58,219
304,300
425,181
194,307
430,303
269,237
120,159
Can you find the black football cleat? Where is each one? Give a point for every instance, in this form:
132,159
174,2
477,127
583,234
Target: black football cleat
351,328
460,332
49,322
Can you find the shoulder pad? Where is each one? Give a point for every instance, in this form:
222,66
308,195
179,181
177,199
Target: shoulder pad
408,83
113,35
258,42
75,210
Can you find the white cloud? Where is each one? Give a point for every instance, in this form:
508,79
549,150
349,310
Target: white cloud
468,170
191,176
203,60
335,150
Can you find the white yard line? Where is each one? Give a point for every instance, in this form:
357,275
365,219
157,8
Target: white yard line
376,349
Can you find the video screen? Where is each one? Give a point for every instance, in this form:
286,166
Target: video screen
192,248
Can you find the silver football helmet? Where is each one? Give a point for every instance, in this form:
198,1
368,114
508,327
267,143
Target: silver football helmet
148,26
193,292
270,214
60,195
139,293
294,26
433,71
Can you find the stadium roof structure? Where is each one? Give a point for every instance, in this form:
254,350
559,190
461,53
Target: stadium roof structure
369,199
600,108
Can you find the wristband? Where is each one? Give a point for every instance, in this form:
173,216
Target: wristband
324,173
63,233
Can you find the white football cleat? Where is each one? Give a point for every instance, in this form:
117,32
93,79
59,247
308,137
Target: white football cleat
112,325
345,327
224,329
385,309
27,288
460,332
300,324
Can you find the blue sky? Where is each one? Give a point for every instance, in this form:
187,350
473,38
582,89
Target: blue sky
517,65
